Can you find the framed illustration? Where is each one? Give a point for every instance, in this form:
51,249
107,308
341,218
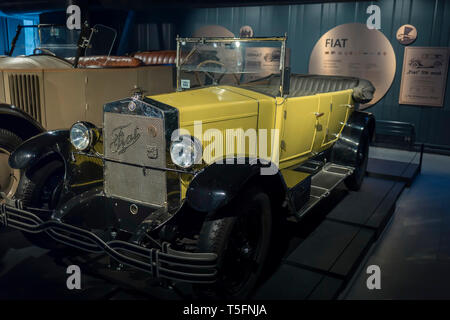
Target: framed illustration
424,76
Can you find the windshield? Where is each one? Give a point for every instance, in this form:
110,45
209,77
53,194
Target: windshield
62,42
256,63
101,40
56,39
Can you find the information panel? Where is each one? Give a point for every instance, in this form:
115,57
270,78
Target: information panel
354,50
424,76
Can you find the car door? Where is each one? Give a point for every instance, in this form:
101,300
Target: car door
338,114
299,127
322,116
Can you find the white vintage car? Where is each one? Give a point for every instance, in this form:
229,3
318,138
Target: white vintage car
69,77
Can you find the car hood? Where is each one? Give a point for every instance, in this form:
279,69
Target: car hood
33,62
211,104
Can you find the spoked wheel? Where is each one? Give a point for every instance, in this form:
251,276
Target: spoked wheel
355,181
9,177
241,243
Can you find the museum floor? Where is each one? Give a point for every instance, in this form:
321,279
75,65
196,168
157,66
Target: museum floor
413,252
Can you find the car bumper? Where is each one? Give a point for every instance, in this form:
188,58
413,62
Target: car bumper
160,263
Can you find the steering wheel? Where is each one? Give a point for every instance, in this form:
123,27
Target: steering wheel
44,50
212,77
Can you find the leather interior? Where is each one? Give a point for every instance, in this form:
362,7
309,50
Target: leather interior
305,85
157,57
107,62
138,59
309,84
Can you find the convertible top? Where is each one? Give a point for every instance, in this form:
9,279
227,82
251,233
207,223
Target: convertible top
310,84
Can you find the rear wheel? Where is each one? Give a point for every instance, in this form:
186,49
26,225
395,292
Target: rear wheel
40,189
355,181
241,242
9,177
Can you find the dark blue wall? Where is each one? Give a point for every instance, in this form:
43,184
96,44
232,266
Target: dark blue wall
4,43
8,28
307,22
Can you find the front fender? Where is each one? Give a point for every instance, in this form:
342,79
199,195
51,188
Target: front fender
218,184
38,147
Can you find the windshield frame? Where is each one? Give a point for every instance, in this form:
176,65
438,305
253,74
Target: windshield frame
19,29
284,70
83,42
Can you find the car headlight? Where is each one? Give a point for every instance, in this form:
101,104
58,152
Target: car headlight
82,135
185,151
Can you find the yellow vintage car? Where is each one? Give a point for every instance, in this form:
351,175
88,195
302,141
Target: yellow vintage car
189,186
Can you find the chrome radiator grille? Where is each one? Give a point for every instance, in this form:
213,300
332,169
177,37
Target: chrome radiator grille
25,94
133,142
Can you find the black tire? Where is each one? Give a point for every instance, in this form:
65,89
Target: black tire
241,250
9,141
354,182
39,189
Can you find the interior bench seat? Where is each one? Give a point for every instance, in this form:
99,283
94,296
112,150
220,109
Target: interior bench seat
309,84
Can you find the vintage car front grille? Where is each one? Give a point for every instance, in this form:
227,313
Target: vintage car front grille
135,148
25,94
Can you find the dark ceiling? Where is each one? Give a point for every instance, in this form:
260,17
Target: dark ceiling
26,6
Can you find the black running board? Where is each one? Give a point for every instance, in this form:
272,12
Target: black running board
322,183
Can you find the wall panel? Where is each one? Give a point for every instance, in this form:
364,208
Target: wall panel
305,23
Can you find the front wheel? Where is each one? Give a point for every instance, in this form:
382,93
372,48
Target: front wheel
9,177
241,241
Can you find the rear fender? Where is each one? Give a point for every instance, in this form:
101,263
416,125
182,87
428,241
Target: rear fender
346,147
